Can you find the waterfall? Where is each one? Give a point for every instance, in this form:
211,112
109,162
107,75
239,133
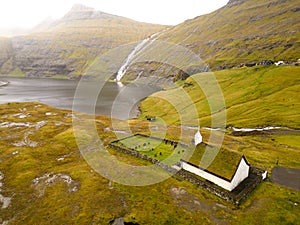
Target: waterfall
3,83
132,54
120,85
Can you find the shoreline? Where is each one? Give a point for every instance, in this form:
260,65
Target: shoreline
61,93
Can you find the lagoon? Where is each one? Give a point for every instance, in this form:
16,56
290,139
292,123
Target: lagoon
60,93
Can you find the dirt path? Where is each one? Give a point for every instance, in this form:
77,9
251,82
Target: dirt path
286,177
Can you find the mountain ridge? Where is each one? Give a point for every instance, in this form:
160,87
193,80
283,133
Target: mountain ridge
66,47
235,2
242,31
82,12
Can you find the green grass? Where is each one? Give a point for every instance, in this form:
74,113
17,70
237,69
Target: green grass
95,201
254,97
224,164
15,73
265,150
269,204
60,77
156,149
100,201
291,141
243,33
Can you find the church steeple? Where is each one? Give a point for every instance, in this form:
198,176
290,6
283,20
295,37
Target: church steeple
198,137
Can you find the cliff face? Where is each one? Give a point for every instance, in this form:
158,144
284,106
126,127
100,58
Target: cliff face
40,57
5,50
66,47
6,56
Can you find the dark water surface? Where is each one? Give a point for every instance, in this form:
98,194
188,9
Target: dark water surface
60,93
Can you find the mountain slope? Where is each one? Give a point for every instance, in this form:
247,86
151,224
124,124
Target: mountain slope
67,46
241,32
254,97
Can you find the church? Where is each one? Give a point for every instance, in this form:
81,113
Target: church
228,169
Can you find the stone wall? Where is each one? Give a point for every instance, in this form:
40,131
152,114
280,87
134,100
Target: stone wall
135,153
236,196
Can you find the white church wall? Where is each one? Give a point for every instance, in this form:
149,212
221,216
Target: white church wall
198,138
241,174
208,176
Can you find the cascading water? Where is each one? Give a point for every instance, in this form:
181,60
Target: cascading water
3,83
143,44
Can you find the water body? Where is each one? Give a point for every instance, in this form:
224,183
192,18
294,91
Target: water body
255,129
60,93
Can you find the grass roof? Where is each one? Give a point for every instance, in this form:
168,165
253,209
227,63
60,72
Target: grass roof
224,164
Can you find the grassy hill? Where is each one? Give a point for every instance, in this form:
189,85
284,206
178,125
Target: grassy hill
254,97
242,32
66,47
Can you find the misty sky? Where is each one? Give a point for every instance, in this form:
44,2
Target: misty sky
28,13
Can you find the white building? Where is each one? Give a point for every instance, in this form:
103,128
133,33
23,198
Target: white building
198,138
240,174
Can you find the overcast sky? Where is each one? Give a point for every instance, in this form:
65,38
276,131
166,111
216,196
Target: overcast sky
28,13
